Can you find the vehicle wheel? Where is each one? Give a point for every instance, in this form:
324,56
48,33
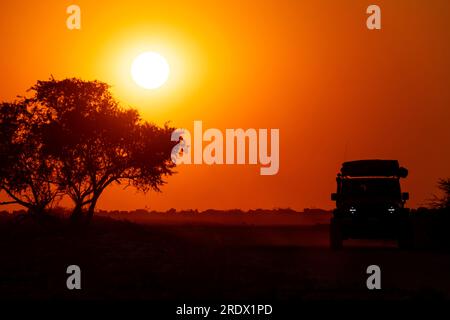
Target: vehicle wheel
335,234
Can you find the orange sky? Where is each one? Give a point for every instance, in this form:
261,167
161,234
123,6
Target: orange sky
336,90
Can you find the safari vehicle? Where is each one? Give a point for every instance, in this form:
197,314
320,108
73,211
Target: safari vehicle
369,203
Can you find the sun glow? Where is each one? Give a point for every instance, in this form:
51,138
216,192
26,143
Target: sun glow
150,70
174,97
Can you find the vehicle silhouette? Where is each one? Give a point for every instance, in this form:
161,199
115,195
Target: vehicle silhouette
369,203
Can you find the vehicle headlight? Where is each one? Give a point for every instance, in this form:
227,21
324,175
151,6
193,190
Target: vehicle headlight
352,210
391,209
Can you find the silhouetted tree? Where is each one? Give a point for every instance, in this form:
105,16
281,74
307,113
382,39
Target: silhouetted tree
27,174
442,202
97,143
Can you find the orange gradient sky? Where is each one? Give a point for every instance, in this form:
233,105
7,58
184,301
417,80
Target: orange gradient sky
336,90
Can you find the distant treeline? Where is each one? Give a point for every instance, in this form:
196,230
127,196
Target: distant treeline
61,211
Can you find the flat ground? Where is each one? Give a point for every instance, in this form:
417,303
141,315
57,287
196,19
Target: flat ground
260,257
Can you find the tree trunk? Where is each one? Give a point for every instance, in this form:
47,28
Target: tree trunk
91,210
77,213
37,211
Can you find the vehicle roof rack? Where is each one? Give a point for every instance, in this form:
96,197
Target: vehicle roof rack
373,168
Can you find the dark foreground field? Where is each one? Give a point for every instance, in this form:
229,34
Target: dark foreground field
266,258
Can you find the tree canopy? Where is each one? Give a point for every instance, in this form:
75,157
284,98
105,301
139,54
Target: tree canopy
71,137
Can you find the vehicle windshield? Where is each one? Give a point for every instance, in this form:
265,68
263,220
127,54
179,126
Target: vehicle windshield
371,188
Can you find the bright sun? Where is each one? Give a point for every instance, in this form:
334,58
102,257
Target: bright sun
150,70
